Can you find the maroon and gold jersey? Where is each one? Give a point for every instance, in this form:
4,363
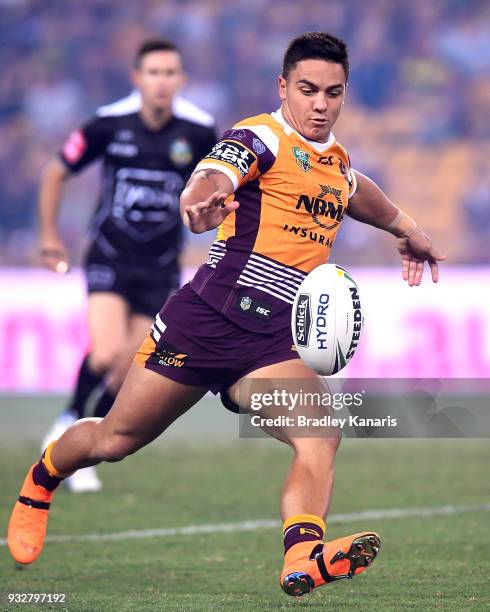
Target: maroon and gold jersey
293,195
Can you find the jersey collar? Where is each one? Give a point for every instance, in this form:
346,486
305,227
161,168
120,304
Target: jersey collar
318,146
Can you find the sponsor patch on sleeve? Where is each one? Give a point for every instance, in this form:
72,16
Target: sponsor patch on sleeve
233,153
75,147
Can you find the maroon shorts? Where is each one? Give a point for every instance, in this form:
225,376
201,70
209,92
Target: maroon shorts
195,345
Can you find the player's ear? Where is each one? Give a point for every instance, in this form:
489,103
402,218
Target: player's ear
281,86
183,80
135,78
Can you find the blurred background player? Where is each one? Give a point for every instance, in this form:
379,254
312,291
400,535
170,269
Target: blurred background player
149,143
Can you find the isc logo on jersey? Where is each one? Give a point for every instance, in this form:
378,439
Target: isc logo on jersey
327,319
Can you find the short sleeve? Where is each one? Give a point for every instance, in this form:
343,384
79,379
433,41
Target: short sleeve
84,145
240,154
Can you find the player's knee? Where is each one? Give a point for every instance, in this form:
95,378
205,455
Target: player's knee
103,359
318,450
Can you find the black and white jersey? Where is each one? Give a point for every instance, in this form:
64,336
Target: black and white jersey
143,174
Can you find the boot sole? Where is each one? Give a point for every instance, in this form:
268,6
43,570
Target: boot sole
361,554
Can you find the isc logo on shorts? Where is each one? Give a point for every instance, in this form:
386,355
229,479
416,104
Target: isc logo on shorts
253,307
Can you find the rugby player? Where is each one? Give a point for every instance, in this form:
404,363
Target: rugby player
232,322
149,143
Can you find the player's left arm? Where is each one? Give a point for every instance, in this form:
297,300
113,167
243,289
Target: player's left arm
369,204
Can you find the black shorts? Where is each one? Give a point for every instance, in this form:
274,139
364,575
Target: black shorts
144,286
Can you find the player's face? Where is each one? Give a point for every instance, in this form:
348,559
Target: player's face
312,97
159,77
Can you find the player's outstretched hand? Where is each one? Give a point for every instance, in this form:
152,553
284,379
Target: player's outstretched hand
415,250
55,257
210,213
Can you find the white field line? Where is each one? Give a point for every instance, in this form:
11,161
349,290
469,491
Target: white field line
373,515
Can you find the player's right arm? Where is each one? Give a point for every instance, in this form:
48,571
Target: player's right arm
202,203
239,157
80,149
53,252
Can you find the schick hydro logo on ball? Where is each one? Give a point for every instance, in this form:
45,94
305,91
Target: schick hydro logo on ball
303,320
327,319
322,321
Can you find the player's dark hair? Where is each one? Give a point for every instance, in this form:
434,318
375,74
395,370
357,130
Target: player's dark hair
315,45
154,44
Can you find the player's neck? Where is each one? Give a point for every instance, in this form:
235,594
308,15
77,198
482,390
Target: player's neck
288,118
155,119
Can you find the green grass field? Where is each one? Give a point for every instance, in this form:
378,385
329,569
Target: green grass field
202,474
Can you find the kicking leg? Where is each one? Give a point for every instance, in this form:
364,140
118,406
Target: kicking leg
146,405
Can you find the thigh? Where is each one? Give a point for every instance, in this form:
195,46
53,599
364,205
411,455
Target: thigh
108,321
146,405
190,342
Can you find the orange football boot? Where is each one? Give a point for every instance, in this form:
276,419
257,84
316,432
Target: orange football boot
29,521
310,564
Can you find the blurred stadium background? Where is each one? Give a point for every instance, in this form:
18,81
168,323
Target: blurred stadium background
416,120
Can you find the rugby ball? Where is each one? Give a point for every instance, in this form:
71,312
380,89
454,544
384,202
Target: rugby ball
327,319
